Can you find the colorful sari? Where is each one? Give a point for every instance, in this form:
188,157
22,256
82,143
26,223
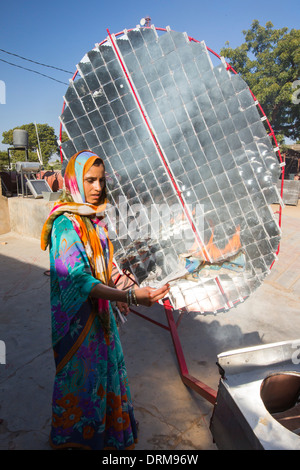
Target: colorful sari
91,406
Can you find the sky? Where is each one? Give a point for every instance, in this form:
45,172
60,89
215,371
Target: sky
60,32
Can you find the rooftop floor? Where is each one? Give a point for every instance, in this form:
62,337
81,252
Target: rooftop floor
171,415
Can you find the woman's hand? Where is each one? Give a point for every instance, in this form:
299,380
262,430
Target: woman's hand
123,307
147,296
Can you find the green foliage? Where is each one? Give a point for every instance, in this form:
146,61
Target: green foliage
3,160
64,137
47,142
269,62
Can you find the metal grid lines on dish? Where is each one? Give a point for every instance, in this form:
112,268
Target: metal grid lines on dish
191,169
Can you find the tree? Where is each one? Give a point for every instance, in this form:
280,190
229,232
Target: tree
3,160
47,142
64,137
269,62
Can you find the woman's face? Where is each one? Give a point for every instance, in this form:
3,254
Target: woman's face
93,184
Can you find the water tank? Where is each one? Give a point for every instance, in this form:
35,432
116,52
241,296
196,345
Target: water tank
20,138
28,167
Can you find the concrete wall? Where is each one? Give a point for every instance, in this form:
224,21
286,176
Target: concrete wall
4,215
27,215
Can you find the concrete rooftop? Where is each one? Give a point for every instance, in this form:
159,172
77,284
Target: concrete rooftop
171,416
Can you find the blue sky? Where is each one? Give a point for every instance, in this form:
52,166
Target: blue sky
60,32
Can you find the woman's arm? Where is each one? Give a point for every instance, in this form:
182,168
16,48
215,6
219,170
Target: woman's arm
146,296
122,306
72,267
101,291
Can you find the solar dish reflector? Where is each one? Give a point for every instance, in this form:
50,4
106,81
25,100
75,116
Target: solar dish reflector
191,169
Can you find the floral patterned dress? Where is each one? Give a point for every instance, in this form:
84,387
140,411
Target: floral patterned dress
91,404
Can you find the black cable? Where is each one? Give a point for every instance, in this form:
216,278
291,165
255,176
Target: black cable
34,71
34,62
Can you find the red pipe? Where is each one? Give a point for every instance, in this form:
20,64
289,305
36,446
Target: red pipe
201,388
149,319
159,149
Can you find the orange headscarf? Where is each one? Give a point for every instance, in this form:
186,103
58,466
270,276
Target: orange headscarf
81,214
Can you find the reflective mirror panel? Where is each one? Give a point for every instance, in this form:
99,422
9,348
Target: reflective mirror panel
190,168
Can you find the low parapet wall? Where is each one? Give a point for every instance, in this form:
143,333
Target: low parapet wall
4,215
27,215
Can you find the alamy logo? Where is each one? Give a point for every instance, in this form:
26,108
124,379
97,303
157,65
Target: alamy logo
2,353
2,92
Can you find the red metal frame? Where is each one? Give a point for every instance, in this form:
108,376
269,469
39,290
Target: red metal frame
199,387
159,149
190,381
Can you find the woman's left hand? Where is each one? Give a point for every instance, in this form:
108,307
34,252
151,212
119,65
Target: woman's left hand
123,307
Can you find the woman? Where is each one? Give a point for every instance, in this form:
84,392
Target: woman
91,407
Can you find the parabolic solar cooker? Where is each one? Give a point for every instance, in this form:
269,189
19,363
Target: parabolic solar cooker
191,169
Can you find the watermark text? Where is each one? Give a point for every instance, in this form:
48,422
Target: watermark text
296,353
296,93
2,92
2,352
155,221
